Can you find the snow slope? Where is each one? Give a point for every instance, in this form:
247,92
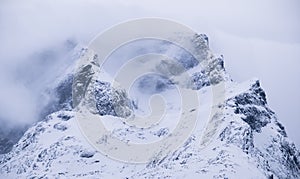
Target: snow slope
237,135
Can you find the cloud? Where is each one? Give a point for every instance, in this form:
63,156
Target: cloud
17,105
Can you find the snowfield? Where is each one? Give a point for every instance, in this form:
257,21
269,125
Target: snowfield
236,135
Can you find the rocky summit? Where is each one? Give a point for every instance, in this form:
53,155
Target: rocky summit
241,136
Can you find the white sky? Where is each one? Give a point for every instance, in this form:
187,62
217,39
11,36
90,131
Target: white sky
257,38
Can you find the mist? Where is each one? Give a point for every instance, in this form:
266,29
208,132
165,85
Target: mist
258,39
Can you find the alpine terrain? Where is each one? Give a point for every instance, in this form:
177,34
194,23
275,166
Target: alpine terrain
237,135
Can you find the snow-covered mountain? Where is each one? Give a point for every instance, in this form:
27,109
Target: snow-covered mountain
242,139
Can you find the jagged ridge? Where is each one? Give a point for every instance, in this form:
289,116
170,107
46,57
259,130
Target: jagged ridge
242,139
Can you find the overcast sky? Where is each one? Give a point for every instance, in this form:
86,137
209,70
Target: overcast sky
257,38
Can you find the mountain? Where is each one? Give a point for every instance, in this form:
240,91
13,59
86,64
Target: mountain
238,135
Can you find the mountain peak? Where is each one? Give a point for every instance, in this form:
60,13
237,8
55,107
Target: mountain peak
240,136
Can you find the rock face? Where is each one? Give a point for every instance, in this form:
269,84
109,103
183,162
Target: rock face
242,139
9,137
